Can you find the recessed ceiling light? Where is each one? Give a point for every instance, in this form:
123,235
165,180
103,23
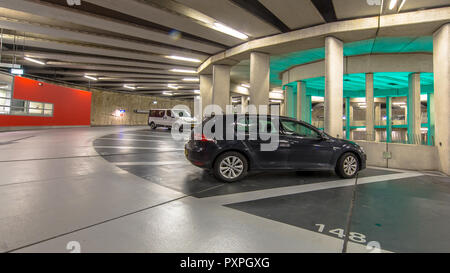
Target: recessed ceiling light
90,77
392,4
186,59
191,79
228,30
183,70
277,91
17,71
401,5
34,61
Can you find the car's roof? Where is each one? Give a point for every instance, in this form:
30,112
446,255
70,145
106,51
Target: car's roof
258,115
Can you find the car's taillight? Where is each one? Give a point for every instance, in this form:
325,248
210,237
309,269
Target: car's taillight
202,137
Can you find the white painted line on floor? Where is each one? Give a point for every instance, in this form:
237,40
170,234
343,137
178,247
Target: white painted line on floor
133,139
140,148
262,194
389,169
154,163
168,136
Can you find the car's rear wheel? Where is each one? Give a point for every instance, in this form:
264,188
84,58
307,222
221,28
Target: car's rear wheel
231,167
348,165
152,126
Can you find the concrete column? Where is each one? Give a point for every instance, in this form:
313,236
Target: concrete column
244,104
413,110
198,111
286,102
205,91
388,119
348,118
377,135
221,86
334,80
259,78
431,115
283,108
441,68
377,113
289,97
370,111
308,109
303,103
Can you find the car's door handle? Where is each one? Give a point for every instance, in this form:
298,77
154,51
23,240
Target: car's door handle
284,143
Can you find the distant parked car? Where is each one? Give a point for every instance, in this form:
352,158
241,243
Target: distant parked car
301,147
170,118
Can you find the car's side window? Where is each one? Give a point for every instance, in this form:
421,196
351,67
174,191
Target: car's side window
295,128
266,124
244,125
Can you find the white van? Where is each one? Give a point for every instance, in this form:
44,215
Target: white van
170,118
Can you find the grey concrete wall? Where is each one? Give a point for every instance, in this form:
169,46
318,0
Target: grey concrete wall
104,104
404,156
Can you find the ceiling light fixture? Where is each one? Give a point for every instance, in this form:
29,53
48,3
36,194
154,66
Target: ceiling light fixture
167,93
392,4
90,77
191,79
186,59
17,71
401,5
183,70
34,61
173,86
232,32
197,91
129,86
245,85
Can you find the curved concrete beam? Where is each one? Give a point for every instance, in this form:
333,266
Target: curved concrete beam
398,62
417,23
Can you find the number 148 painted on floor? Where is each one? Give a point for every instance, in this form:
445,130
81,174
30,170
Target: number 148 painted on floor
354,236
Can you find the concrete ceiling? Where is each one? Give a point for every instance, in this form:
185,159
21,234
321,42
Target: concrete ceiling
295,13
129,41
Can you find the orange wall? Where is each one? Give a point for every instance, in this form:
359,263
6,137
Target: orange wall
71,107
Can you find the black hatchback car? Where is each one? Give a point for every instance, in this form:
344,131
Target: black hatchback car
236,150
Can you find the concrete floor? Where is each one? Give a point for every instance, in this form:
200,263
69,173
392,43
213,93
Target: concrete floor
129,189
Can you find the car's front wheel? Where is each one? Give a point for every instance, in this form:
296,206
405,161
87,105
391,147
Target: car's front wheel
152,126
348,166
231,167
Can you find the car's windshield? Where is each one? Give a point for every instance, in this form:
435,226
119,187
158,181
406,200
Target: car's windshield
181,113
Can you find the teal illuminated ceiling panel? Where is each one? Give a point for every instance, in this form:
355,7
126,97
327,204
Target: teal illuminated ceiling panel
385,83
281,63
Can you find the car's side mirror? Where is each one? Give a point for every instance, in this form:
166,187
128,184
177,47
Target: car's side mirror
324,136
